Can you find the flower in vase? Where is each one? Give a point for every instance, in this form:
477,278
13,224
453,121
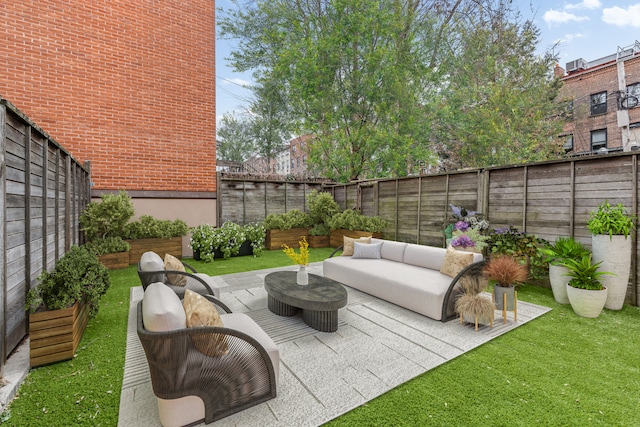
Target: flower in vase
301,258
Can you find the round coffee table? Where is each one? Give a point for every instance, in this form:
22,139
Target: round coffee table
319,300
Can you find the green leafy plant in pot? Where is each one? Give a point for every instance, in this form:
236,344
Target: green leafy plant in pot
611,225
505,272
554,254
585,289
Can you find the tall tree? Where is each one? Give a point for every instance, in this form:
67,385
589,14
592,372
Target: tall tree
234,142
386,85
496,106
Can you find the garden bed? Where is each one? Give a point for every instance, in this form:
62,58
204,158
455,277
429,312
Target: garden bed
172,245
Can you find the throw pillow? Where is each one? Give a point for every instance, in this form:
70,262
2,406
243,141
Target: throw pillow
201,312
172,263
370,251
347,245
454,261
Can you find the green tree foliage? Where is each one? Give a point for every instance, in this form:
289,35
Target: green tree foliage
497,104
235,141
387,86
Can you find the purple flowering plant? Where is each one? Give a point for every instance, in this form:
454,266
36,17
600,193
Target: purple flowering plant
462,241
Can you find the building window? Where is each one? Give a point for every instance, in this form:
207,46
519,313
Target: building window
598,139
599,103
569,110
568,143
634,90
632,98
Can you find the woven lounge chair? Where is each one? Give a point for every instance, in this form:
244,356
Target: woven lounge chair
191,384
151,270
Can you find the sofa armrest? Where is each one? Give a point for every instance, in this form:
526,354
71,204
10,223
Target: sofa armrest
471,272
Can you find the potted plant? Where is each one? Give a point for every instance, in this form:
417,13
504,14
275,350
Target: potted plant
62,303
322,207
301,259
555,254
463,219
610,226
157,235
352,223
472,305
585,289
286,228
104,224
468,239
255,234
505,272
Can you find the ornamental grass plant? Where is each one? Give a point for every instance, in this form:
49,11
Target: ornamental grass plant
541,366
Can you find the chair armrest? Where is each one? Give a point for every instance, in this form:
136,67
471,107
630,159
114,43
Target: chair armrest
339,248
188,267
471,272
220,306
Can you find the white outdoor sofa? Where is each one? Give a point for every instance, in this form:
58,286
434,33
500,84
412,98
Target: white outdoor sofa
405,274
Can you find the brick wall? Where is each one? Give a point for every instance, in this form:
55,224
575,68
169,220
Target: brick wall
127,85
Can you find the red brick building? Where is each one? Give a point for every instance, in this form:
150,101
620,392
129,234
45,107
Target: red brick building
602,96
127,86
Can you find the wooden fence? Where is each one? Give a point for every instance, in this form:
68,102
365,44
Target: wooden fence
548,199
43,192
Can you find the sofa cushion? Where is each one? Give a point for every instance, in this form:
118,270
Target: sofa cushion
362,250
151,261
393,251
200,311
161,309
172,263
455,261
424,256
347,245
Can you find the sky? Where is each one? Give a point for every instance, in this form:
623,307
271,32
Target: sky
588,29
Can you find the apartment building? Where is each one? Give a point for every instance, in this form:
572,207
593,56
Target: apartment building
602,102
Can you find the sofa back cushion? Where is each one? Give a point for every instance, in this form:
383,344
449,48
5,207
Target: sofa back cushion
424,256
393,251
162,309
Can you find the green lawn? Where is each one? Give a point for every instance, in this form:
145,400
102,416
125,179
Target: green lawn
559,369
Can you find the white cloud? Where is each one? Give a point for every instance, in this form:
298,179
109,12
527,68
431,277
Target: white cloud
552,16
629,17
570,37
585,4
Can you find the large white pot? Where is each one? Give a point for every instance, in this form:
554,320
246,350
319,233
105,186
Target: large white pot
615,254
559,280
586,303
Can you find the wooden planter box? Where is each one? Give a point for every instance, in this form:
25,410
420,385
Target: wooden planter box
171,246
318,241
337,236
115,260
276,238
54,335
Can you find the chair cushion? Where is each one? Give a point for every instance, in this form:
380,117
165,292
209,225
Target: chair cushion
162,310
455,261
174,264
200,311
371,250
347,244
212,284
151,261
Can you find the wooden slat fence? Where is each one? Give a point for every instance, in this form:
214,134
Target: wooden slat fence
43,192
548,199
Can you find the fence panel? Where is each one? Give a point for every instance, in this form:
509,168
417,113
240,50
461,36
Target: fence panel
43,192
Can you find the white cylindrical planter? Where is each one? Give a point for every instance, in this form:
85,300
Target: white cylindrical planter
559,280
586,303
615,254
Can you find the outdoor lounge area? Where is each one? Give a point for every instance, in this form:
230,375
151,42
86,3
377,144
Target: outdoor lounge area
549,369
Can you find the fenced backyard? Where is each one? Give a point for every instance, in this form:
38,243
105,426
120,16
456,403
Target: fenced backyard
548,199
43,189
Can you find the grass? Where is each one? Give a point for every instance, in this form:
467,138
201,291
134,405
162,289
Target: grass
559,369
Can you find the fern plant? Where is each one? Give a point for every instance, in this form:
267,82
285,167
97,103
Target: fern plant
584,273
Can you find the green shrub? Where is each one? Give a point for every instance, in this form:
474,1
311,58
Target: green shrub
353,220
256,234
107,218
321,207
77,275
149,227
320,230
206,239
108,245
294,218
